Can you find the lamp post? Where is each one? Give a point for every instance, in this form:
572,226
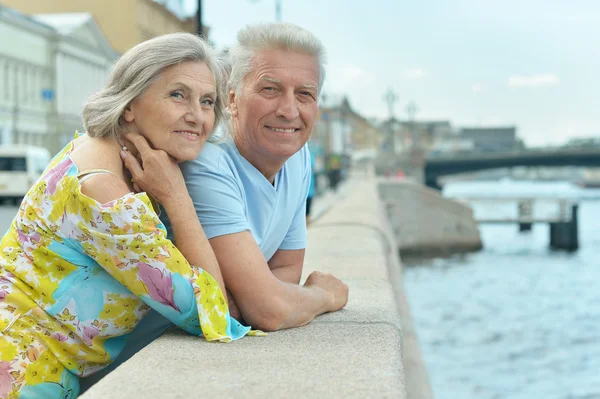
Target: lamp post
200,27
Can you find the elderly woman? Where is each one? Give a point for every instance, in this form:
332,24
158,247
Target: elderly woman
87,257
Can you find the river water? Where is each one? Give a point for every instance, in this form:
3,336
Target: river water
515,320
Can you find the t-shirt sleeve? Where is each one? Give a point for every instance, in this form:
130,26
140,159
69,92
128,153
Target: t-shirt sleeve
217,196
296,235
127,239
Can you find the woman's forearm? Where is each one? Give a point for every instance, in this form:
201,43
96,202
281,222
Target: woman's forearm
190,238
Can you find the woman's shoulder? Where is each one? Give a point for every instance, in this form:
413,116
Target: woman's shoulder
96,154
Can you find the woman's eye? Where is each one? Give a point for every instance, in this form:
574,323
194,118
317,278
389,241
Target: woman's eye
177,94
208,102
269,88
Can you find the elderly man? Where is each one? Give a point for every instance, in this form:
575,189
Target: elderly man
250,190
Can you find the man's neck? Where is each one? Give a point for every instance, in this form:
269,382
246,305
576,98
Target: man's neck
266,166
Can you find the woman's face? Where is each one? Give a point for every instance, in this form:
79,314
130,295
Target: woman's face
176,113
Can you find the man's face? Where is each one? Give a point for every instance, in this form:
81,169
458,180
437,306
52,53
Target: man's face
276,108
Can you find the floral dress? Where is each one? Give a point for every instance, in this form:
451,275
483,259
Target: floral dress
77,276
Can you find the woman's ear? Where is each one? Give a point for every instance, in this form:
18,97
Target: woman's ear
128,114
233,111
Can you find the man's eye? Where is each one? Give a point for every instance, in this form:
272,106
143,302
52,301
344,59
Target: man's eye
306,93
269,88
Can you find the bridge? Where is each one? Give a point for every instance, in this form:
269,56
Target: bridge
436,167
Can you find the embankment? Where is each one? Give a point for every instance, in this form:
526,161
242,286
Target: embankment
368,349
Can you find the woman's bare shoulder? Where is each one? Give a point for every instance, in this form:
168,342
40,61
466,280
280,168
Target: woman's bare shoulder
100,159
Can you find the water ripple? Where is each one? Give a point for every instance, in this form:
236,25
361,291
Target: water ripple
515,320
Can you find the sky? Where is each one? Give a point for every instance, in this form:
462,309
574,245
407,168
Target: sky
533,64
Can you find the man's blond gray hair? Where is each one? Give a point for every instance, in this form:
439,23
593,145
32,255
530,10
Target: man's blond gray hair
267,36
137,69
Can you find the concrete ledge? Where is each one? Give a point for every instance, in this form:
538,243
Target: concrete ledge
353,353
319,360
425,223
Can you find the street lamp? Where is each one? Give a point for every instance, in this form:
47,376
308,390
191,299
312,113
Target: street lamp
200,27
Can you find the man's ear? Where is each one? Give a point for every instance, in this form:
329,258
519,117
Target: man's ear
128,114
233,111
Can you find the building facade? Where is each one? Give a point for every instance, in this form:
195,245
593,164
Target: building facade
125,23
49,65
341,137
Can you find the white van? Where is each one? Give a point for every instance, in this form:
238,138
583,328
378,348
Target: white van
20,167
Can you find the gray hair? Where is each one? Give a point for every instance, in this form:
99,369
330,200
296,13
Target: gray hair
137,69
266,36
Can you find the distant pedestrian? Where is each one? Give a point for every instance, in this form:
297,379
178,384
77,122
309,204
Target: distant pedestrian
311,188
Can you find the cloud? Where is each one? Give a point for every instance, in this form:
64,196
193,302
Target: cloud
538,80
352,72
479,87
414,74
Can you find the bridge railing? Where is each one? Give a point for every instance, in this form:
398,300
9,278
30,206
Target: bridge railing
520,209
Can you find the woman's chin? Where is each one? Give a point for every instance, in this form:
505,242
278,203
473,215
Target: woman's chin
187,156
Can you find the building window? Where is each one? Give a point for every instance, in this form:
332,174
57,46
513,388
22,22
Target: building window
5,82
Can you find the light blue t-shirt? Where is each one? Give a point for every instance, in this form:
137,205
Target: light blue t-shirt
230,196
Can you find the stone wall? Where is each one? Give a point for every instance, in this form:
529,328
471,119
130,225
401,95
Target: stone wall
354,353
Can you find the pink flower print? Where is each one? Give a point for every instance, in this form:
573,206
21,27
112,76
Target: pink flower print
159,284
28,239
6,379
59,337
53,176
23,239
3,294
89,332
35,237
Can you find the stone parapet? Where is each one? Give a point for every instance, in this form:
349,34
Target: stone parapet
353,353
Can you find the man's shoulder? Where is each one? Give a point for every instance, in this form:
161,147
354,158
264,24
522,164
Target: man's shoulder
213,152
214,157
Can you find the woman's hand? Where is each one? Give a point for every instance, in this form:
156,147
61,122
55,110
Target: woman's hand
155,172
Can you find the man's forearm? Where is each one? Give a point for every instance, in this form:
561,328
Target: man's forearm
286,265
303,305
288,274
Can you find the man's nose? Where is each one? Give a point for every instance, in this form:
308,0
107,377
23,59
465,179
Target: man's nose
288,108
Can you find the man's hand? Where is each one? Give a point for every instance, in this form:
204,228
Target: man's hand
333,286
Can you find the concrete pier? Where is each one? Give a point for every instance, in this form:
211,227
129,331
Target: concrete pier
369,349
427,224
